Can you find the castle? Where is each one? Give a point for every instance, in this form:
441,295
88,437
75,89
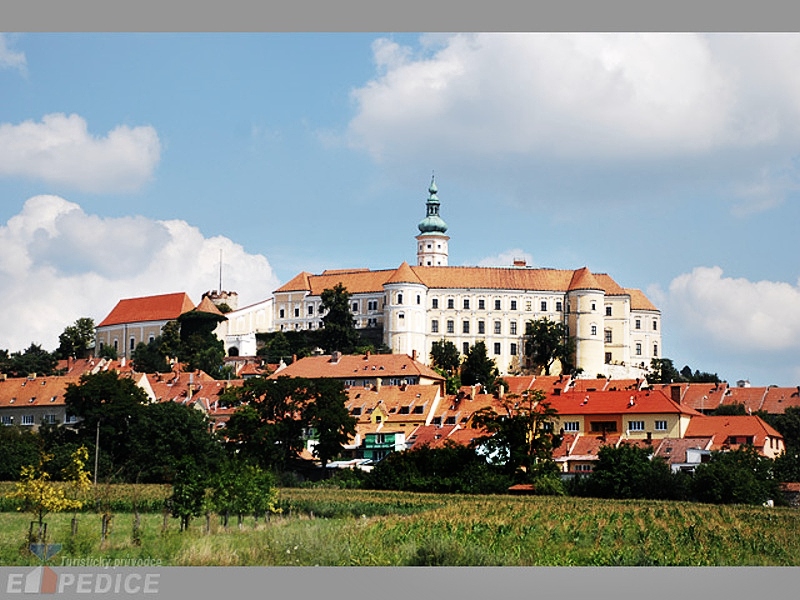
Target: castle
617,330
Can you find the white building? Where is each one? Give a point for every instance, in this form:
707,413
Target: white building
617,330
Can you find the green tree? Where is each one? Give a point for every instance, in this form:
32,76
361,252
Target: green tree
268,425
740,476
242,488
19,446
33,360
662,370
446,360
77,340
548,341
149,357
168,436
328,416
339,331
276,348
520,437
111,404
628,471
188,493
479,368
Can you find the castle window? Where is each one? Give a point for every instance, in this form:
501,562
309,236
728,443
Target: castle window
608,336
451,303
594,329
481,304
513,305
435,303
465,348
311,309
655,325
435,326
513,328
399,298
513,349
419,299
296,312
497,304
481,327
281,314
638,348
608,358
497,348
655,349
594,306
466,303
637,324
451,326
133,343
355,306
497,327
465,327
544,305
608,310
559,306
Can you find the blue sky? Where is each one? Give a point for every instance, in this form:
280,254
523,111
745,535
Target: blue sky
128,161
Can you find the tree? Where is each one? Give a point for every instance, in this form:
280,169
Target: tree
546,342
77,339
268,425
199,347
445,356
446,360
740,476
111,404
168,436
188,494
628,471
241,488
328,416
662,370
19,446
521,436
339,332
33,360
41,496
479,368
276,348
150,358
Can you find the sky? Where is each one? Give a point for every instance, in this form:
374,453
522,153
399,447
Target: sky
130,162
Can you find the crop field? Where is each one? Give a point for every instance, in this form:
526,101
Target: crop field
360,527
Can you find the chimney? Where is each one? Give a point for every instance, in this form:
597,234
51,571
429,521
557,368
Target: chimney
336,357
520,262
378,382
414,355
294,358
474,390
501,391
367,355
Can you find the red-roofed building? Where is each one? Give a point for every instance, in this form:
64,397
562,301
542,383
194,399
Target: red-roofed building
363,370
136,320
643,415
731,432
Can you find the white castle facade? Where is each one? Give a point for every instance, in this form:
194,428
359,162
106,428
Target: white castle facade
617,330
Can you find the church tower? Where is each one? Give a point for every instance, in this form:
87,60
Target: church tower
432,241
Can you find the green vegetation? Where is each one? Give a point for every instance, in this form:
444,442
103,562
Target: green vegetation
359,527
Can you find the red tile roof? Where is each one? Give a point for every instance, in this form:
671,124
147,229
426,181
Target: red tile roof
617,403
477,278
358,367
751,397
149,308
721,427
41,391
778,399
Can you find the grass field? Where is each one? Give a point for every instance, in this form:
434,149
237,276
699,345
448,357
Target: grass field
360,527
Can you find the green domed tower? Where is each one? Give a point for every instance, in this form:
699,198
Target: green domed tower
432,241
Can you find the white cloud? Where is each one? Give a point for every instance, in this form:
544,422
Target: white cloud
572,106
736,315
60,150
9,59
507,258
58,264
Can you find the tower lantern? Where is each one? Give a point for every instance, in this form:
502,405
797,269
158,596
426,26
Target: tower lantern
432,241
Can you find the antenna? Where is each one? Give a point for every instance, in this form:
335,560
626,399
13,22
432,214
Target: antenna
220,270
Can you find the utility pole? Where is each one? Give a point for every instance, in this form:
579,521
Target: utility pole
96,451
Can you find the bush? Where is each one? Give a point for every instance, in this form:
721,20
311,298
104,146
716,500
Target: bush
741,476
